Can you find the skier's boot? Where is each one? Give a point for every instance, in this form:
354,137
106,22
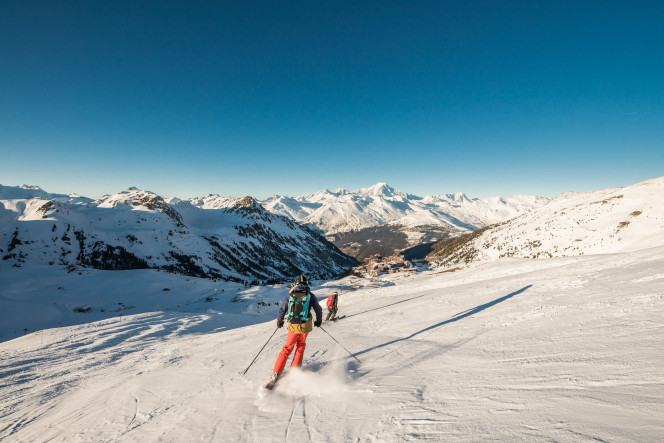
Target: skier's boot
273,380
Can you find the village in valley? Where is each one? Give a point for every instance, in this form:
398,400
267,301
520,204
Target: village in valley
375,266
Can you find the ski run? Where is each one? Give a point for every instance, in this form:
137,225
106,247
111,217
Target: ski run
562,349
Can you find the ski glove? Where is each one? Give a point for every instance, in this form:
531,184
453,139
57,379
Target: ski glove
280,323
317,323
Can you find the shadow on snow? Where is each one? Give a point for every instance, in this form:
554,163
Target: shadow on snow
387,306
457,317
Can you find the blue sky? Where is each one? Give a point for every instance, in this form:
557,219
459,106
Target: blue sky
261,98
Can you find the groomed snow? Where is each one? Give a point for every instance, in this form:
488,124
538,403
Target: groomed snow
564,349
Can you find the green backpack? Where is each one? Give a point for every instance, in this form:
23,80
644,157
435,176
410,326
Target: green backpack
298,307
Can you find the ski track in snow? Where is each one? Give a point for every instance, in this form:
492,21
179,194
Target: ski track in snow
564,349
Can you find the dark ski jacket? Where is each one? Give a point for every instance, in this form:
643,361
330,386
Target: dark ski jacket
312,304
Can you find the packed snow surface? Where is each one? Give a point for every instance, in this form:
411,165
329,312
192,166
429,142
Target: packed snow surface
564,349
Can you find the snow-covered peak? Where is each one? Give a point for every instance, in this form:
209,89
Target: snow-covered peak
215,201
211,201
247,202
325,194
461,197
26,192
458,197
131,197
140,200
378,189
21,192
30,188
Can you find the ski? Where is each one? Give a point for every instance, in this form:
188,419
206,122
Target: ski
333,320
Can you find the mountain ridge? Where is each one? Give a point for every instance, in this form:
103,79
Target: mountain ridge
376,219
599,222
382,220
380,204
138,229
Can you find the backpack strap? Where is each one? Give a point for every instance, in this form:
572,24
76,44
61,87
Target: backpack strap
305,308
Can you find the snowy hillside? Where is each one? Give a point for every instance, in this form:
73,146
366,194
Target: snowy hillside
564,349
137,229
341,210
606,221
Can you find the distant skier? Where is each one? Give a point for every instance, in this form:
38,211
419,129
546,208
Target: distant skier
332,306
298,307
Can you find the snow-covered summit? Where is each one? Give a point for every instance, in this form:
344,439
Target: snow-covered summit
26,192
131,197
458,197
215,201
139,199
381,190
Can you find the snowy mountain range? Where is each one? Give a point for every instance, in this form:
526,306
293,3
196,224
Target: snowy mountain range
382,220
134,229
342,210
601,222
240,238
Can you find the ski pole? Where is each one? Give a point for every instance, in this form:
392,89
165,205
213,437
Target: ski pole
259,352
358,360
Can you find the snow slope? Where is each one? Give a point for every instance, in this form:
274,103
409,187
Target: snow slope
565,349
342,210
606,221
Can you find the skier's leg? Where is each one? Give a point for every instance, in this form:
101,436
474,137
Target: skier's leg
299,351
329,312
285,352
334,314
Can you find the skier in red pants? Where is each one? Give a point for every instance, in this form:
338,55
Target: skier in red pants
298,306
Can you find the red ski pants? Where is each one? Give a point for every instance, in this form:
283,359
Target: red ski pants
291,341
